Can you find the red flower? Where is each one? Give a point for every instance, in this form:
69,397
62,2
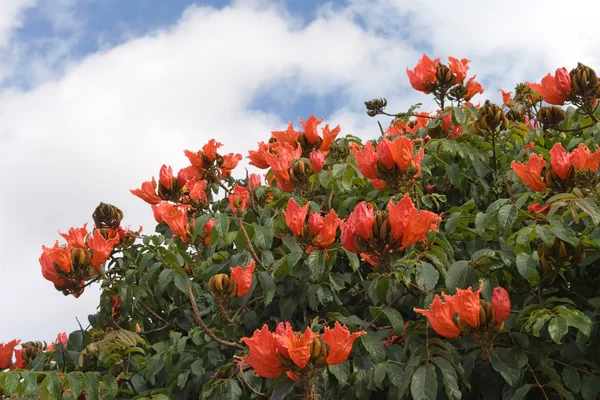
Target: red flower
243,278
295,216
101,248
459,69
363,219
289,136
254,181
292,346
49,271
473,88
148,192
281,162
348,234
329,136
538,208
175,217
554,90
582,158
206,231
409,224
19,362
467,304
440,317
530,173
367,160
76,237
182,177
196,189
263,353
423,77
62,338
501,304
257,157
310,128
137,328
230,161
165,177
323,229
238,200
210,149
506,98
317,159
560,161
61,256
6,353
340,342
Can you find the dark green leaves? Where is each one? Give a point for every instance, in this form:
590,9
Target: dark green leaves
423,385
505,363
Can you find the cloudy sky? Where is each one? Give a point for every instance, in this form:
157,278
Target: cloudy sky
95,95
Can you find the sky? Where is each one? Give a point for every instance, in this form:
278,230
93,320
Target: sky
95,95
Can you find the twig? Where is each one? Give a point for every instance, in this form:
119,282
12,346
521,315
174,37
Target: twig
381,128
248,241
162,328
198,319
245,382
153,313
538,383
251,194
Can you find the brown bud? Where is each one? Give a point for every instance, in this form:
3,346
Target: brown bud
551,116
444,76
584,82
375,106
463,325
490,117
80,257
107,216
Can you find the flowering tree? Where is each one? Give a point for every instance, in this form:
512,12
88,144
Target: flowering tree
454,255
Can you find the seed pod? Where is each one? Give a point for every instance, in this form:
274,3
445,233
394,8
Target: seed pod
215,283
384,231
584,82
562,252
375,106
444,76
80,257
579,254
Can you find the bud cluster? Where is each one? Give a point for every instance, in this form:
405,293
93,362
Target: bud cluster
560,255
490,117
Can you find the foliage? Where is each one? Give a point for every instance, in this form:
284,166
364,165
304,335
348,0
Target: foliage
454,255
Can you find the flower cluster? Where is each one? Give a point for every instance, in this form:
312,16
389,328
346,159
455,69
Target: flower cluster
293,352
69,266
320,231
27,353
375,235
472,312
290,145
566,169
238,285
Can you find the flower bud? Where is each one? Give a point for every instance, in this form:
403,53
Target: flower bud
501,304
107,216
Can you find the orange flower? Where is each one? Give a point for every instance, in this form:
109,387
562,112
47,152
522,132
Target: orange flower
409,224
560,161
289,136
367,160
176,217
294,346
196,189
347,237
363,219
263,353
257,157
19,362
459,69
473,88
467,304
49,271
238,200
210,149
329,136
554,90
317,159
6,352
310,128
295,216
582,158
62,338
538,208
501,304
148,192
206,231
165,177
101,247
440,317
254,181
423,77
59,255
76,237
243,278
323,229
506,98
340,343
281,162
230,161
530,173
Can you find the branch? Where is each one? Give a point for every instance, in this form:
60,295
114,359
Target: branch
167,323
198,319
248,241
240,373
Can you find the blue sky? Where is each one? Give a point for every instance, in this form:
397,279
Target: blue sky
95,95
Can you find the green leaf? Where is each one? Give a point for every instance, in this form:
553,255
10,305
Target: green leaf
340,371
459,276
268,286
590,209
571,378
11,381
221,225
521,392
590,386
76,341
545,234
373,344
427,276
379,374
451,223
505,363
282,389
29,383
75,383
459,115
263,237
526,265
576,319
316,264
423,385
564,393
112,386
165,277
453,173
52,384
450,378
91,385
395,319
507,215
557,329
181,282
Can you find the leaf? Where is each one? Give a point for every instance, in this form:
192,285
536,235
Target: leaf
29,383
507,215
263,237
571,378
427,276
379,374
590,386
181,282
526,265
576,319
453,173
459,275
11,381
395,319
459,115
75,383
112,387
52,384
373,344
545,234
340,371
557,329
560,389
91,385
451,223
268,285
316,264
221,226
165,277
521,392
282,389
590,209
450,378
505,363
423,385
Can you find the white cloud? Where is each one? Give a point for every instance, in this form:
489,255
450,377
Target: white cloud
108,122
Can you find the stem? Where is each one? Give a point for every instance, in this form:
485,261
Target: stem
248,241
494,153
154,314
240,374
198,319
538,383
